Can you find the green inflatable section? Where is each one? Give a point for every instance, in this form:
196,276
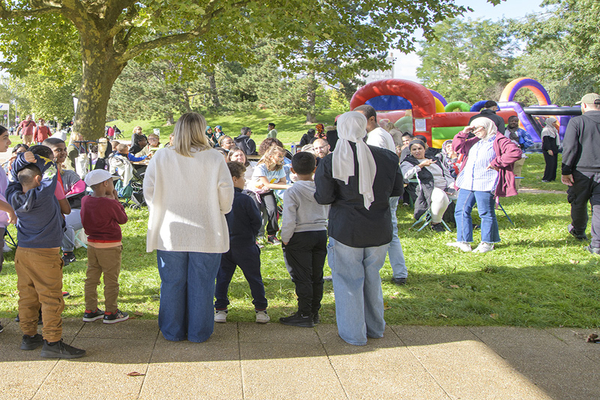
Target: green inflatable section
445,133
457,106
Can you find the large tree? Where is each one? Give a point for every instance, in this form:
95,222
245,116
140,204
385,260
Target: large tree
468,61
106,34
562,47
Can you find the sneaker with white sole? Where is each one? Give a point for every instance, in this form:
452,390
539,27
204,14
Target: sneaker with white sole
221,316
484,247
464,246
262,317
113,318
91,316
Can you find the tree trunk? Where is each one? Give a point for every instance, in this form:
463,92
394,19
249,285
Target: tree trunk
100,70
170,119
311,95
213,91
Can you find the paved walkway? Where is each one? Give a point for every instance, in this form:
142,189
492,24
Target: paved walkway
273,361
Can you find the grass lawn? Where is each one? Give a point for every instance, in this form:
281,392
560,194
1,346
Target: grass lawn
538,275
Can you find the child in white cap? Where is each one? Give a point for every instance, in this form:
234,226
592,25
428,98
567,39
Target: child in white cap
101,214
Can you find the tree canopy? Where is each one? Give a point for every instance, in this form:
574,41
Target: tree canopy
468,61
102,36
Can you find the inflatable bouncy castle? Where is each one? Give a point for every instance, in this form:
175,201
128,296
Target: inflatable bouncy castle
411,105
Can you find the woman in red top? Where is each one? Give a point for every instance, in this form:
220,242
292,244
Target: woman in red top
41,132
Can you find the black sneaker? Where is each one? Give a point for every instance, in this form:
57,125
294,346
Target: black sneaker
1,328
113,318
578,236
303,321
438,227
69,257
272,239
31,342
399,281
91,316
316,319
60,350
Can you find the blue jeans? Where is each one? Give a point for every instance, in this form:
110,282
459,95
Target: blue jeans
186,294
395,251
487,213
357,290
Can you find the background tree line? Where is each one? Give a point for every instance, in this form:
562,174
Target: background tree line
474,60
462,59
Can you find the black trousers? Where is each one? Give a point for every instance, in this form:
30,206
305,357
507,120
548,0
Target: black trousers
551,165
248,259
269,205
305,254
586,187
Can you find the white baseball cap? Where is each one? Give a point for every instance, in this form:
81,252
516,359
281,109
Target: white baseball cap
98,176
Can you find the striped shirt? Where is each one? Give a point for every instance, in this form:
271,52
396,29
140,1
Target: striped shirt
476,176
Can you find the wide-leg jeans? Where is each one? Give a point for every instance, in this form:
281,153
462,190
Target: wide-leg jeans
187,291
357,290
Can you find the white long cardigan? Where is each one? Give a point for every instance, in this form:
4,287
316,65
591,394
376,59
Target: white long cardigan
188,198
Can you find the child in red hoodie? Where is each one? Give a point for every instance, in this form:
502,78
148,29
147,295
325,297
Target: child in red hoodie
101,214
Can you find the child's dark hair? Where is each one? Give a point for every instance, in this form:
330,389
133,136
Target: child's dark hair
42,150
28,173
3,129
52,141
304,163
18,146
236,169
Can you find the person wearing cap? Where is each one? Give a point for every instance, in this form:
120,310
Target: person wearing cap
101,215
489,111
358,180
581,169
41,132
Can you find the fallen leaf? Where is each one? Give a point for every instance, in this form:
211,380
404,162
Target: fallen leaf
454,286
443,315
449,300
134,373
493,316
574,262
138,313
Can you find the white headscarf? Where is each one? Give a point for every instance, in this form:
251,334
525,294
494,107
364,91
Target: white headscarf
352,127
490,127
550,130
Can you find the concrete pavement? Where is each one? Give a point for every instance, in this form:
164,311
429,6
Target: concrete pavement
274,361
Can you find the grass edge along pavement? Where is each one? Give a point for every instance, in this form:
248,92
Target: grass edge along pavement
538,275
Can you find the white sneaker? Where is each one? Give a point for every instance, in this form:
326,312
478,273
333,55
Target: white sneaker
221,316
6,249
464,246
262,317
484,247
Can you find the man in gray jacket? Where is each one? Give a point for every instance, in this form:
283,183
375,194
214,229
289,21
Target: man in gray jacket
581,169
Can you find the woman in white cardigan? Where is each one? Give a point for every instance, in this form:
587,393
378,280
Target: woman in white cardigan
189,190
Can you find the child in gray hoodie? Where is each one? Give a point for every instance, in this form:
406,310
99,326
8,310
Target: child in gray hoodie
304,236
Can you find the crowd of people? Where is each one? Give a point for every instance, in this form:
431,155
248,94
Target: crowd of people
336,200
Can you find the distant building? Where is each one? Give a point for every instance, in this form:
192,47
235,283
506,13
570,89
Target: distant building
379,75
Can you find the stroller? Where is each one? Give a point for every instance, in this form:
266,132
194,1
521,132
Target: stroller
130,186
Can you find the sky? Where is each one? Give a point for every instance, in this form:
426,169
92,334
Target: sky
406,64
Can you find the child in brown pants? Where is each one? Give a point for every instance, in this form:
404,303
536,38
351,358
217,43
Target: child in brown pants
101,214
38,262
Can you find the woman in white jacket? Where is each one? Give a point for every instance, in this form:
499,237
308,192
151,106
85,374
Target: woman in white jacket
189,190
